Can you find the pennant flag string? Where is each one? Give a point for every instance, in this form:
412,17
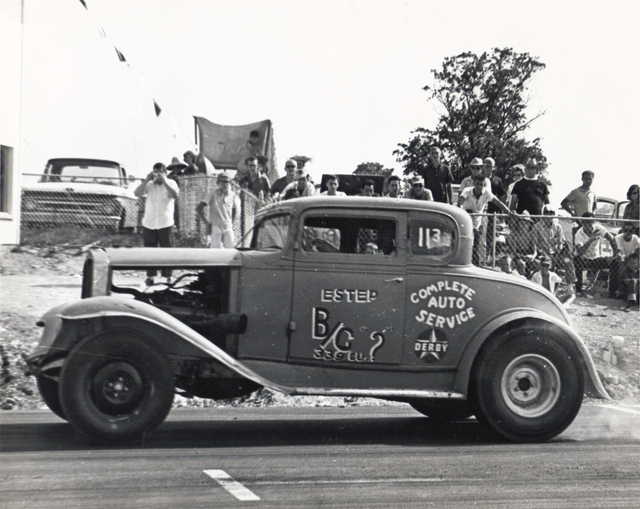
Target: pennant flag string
156,107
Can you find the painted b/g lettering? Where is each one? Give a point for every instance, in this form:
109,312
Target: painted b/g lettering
349,296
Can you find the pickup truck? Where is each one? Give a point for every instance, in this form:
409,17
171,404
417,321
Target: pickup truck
310,309
85,192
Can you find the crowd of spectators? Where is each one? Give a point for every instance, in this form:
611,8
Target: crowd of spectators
538,246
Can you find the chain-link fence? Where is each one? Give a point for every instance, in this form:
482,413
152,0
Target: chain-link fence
588,254
106,204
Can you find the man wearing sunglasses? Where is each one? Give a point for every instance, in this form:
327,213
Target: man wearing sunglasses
278,186
418,191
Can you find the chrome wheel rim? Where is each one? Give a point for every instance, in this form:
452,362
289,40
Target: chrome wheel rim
530,385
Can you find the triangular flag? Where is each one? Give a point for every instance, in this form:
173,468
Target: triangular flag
83,3
120,55
157,108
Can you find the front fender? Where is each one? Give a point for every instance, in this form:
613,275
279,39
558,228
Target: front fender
115,307
593,385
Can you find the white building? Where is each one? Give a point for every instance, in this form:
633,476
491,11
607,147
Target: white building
11,26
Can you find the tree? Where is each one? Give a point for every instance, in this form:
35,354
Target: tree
373,169
484,99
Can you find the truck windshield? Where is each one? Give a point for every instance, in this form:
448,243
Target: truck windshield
84,173
271,233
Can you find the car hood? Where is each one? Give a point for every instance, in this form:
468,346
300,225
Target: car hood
79,188
145,257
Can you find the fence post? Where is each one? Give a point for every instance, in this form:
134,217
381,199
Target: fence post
493,243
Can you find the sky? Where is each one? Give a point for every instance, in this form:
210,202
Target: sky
341,80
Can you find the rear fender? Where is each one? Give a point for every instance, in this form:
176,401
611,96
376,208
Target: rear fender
67,324
531,317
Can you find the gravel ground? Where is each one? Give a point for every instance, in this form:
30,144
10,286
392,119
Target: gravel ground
34,280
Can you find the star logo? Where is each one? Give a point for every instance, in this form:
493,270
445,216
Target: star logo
431,346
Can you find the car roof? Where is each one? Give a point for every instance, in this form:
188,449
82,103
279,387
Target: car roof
297,205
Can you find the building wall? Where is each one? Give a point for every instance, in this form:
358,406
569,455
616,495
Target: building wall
11,16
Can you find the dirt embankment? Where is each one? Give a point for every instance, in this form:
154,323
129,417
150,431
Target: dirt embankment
34,280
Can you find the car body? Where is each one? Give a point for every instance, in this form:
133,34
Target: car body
304,311
75,191
610,208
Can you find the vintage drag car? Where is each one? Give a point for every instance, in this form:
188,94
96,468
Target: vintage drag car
335,296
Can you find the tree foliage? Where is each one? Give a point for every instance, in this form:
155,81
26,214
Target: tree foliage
484,100
372,169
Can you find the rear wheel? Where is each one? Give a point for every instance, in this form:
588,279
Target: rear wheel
527,386
116,387
48,389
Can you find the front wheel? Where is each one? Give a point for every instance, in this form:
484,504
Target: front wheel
527,386
116,387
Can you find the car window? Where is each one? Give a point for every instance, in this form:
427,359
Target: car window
271,233
604,209
349,234
432,235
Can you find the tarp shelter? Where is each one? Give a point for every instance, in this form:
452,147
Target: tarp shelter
227,146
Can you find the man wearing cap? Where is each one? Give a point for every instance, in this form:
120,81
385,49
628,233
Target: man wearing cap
299,187
437,176
550,280
418,191
474,200
476,166
582,199
160,195
393,185
588,242
223,206
278,186
530,193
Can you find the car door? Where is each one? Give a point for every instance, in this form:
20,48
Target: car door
347,307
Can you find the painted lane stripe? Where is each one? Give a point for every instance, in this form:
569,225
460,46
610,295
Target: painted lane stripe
622,409
231,485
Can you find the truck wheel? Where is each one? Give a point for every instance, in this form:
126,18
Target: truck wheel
48,389
527,386
443,411
116,387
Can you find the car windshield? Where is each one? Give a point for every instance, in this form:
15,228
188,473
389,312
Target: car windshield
271,233
84,173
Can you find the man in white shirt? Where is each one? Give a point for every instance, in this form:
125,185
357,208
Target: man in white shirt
627,243
474,200
299,187
588,242
222,206
582,199
332,187
157,223
550,281
477,168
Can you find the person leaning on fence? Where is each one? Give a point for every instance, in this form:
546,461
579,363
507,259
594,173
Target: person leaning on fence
223,205
582,199
279,184
627,243
474,200
551,281
477,168
393,186
368,189
332,187
299,187
160,195
589,254
549,239
418,191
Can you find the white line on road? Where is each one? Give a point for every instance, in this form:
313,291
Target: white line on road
231,485
622,409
